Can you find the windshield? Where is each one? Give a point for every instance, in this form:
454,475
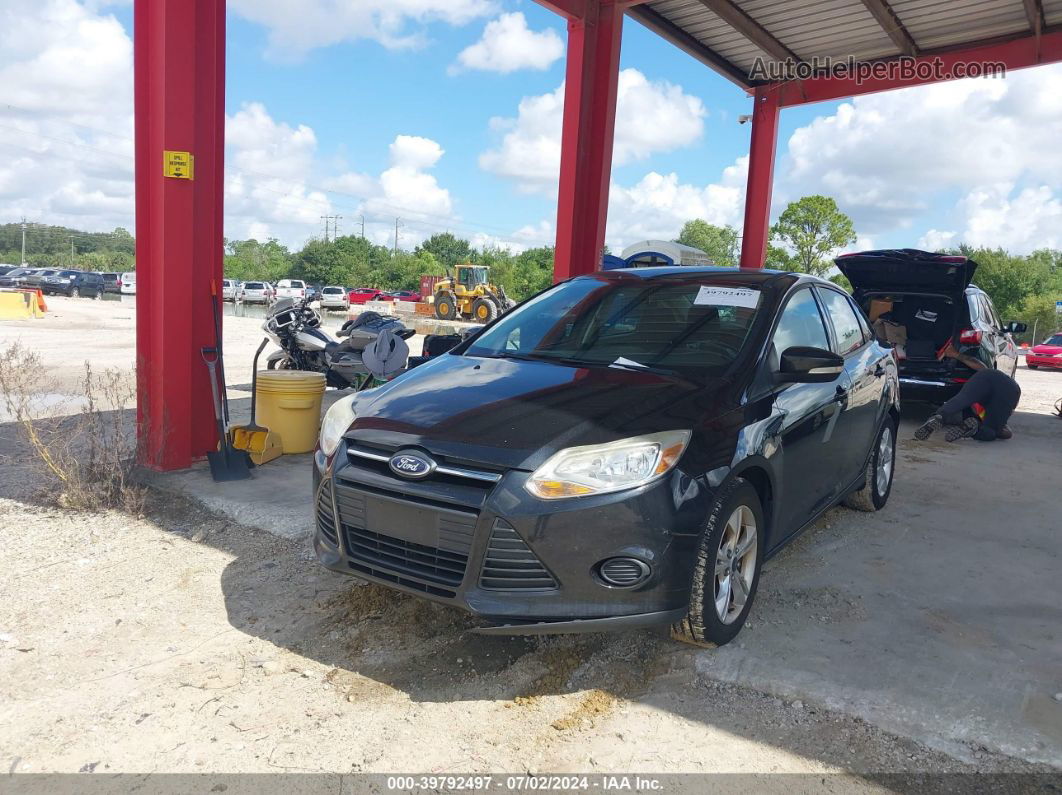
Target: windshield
253,286
1053,340
694,324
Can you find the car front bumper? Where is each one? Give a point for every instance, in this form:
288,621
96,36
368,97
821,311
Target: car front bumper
445,541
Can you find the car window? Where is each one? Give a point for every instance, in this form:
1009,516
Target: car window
697,324
990,313
800,324
297,284
868,335
846,328
253,286
1055,340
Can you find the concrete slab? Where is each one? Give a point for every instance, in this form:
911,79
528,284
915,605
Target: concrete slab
938,618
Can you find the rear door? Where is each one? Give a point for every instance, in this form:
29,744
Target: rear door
864,364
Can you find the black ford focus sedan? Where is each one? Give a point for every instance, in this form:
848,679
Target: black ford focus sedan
624,449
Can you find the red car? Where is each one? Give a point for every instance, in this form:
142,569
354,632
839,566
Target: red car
405,295
360,295
1047,354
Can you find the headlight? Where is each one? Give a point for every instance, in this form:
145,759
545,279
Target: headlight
336,421
600,469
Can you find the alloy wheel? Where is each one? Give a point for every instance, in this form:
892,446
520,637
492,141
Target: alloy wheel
886,453
735,564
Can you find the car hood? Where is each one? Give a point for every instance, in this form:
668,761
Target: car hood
1047,349
512,413
907,270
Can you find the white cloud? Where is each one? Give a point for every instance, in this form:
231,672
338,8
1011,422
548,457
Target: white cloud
66,89
1018,220
295,28
659,204
936,240
887,157
651,117
508,45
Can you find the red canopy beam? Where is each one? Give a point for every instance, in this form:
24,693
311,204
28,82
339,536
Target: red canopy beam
765,113
1017,53
591,83
179,93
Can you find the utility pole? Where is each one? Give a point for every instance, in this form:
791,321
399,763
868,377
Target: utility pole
325,219
23,262
71,238
395,252
362,217
335,227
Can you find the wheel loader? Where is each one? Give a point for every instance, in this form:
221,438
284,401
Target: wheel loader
467,293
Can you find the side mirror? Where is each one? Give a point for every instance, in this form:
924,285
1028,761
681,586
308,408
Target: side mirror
801,365
1015,328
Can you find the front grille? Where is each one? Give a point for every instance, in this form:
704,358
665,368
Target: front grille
436,568
326,518
413,565
510,565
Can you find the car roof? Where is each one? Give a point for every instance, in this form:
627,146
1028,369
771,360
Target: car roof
753,277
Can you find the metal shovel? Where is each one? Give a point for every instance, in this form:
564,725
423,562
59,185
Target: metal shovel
225,462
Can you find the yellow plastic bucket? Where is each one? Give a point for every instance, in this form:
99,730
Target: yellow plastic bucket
289,404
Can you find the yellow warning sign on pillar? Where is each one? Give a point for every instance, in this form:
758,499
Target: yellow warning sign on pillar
179,165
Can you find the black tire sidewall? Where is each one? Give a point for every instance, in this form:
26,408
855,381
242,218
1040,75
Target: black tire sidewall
739,492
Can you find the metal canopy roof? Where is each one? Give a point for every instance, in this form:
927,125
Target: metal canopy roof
730,35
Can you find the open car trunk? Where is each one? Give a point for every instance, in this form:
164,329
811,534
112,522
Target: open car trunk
916,301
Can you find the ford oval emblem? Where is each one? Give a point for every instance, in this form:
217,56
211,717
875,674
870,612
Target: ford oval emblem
413,465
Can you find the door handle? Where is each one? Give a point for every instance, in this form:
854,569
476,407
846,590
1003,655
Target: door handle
879,371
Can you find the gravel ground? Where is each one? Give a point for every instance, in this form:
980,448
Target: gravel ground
183,642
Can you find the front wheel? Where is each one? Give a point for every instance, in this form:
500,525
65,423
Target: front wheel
445,308
728,568
880,468
98,296
1032,366
287,363
484,310
75,293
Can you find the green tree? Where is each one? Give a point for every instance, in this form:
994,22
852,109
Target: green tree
447,249
1009,279
1038,313
718,242
813,228
249,260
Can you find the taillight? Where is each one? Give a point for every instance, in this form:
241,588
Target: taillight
970,337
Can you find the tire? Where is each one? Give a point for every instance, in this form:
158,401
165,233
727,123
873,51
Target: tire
878,484
445,307
1032,366
98,296
484,310
279,364
710,596
75,292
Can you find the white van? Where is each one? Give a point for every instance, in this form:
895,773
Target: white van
128,283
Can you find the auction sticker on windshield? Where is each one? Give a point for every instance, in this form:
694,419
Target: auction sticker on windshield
726,296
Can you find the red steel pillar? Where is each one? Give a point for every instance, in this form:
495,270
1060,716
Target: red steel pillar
586,139
761,176
179,73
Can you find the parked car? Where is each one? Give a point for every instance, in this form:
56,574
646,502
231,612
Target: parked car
924,302
626,448
76,284
362,295
334,298
1047,354
229,289
128,283
58,282
16,277
6,269
404,295
112,282
313,292
291,288
37,277
257,293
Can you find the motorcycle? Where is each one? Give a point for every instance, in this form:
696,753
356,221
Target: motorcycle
371,351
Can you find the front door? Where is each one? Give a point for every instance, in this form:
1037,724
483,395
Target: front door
808,417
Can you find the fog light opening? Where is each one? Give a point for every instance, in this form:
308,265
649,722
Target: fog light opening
623,572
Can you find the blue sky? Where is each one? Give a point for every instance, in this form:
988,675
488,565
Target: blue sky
356,109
